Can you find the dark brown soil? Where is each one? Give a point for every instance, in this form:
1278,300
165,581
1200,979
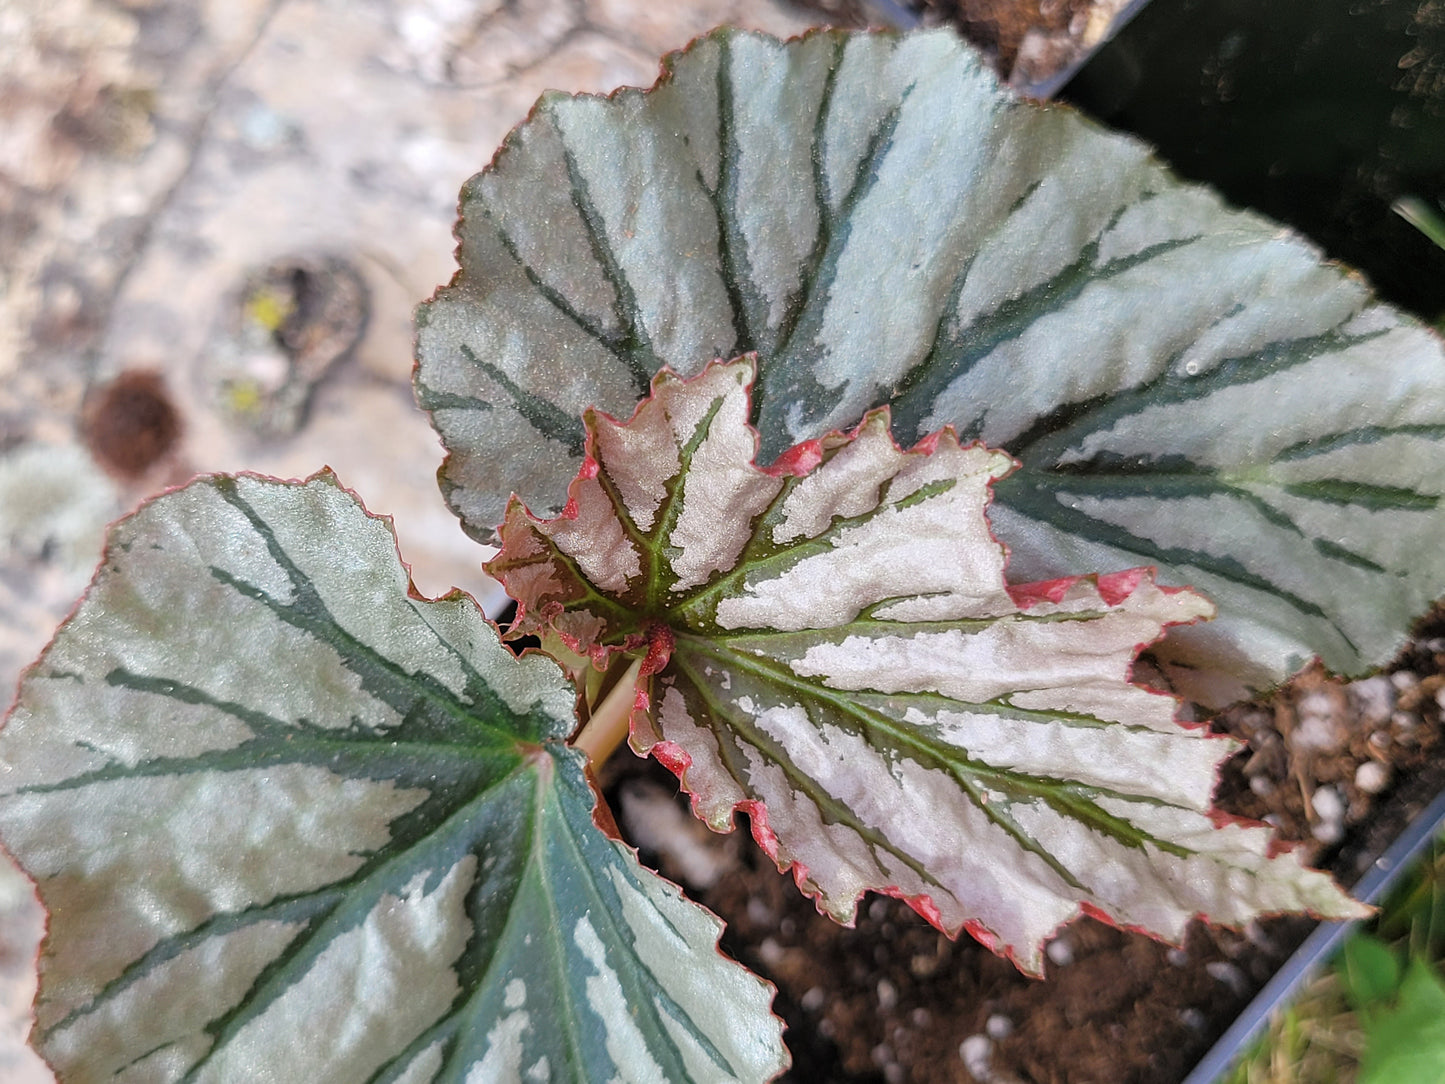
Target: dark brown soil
1028,41
893,1000
998,27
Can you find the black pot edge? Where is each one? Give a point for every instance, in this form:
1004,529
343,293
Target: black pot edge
1317,948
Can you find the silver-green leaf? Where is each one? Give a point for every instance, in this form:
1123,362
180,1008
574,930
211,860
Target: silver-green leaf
293,822
1186,385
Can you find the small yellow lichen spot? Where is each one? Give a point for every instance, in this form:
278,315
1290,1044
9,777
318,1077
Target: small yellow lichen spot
243,397
268,308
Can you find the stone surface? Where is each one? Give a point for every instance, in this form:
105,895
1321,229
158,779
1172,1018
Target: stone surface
156,153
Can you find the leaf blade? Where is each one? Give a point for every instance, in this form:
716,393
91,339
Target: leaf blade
841,658
290,818
925,240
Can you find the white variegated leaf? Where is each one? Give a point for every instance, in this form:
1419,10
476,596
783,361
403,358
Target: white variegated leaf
1187,386
830,645
292,822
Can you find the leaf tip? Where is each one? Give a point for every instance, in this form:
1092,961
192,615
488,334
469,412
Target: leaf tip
799,460
1115,587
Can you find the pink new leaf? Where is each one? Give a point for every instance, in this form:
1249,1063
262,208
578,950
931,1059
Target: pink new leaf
832,648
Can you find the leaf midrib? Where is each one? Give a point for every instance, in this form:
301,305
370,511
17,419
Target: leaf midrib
776,674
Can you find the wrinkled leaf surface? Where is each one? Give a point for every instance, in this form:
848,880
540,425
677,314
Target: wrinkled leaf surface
830,646
1186,386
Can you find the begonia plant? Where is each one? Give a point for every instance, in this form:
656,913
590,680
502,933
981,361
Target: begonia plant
732,371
